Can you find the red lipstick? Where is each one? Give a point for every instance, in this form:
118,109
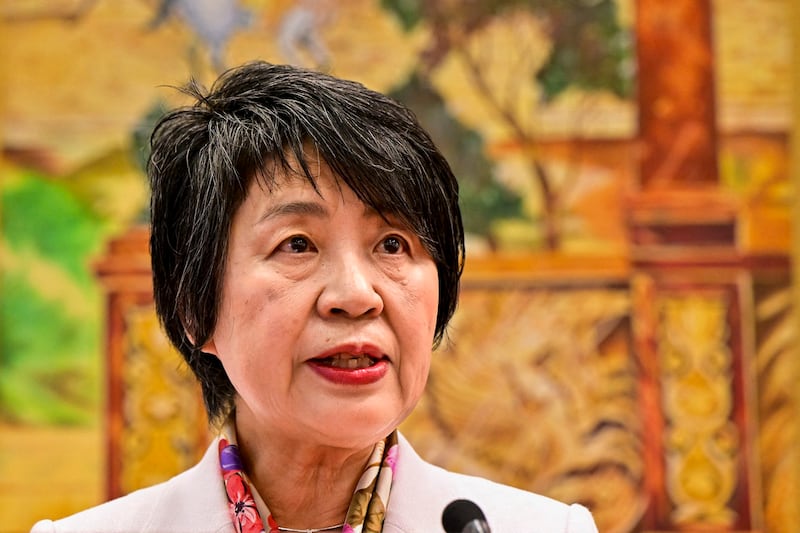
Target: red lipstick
351,365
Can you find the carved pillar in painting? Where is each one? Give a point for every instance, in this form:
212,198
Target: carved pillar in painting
692,289
155,422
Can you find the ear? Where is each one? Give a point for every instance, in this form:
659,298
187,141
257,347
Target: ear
208,347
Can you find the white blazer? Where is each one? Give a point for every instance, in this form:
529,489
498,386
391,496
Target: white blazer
195,502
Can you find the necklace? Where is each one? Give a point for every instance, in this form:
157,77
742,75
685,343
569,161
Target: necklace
292,530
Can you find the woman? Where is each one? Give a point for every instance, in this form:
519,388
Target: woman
307,248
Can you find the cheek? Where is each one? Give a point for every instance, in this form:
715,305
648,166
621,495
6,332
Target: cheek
422,296
241,306
421,304
249,297
417,377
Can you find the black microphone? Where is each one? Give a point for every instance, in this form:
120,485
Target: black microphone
463,516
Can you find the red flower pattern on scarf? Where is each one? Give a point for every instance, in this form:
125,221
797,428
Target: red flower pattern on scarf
242,506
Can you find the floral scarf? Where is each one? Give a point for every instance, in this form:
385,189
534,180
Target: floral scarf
367,508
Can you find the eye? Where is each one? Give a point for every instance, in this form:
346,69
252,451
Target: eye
296,245
393,244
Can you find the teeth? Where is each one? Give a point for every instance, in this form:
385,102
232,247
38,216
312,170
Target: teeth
349,361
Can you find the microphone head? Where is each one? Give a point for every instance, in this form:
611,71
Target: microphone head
459,513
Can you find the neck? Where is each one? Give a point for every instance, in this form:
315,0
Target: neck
337,527
305,485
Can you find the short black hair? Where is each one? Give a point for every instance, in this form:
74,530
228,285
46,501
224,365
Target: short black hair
255,119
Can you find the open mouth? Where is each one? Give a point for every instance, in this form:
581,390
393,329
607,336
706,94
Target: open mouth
347,361
356,368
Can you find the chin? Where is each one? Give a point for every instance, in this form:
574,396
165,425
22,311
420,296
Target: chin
356,432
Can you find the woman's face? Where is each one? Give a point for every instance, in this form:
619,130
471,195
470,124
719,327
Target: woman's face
327,315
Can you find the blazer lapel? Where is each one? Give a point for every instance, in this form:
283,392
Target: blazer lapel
195,501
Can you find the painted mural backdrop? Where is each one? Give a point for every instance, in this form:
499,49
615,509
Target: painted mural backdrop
576,339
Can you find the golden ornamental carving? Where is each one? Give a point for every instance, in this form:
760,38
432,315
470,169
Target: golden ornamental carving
701,441
161,411
538,389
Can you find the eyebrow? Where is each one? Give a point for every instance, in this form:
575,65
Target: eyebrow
303,208
293,208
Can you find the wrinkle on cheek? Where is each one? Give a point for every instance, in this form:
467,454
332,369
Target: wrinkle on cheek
273,293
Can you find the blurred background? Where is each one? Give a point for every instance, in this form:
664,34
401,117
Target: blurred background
626,337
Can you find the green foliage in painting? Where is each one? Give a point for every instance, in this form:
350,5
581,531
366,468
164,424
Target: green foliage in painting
467,14
41,216
590,49
49,317
49,367
408,11
483,199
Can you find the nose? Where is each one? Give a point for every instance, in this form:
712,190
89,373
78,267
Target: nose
349,289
